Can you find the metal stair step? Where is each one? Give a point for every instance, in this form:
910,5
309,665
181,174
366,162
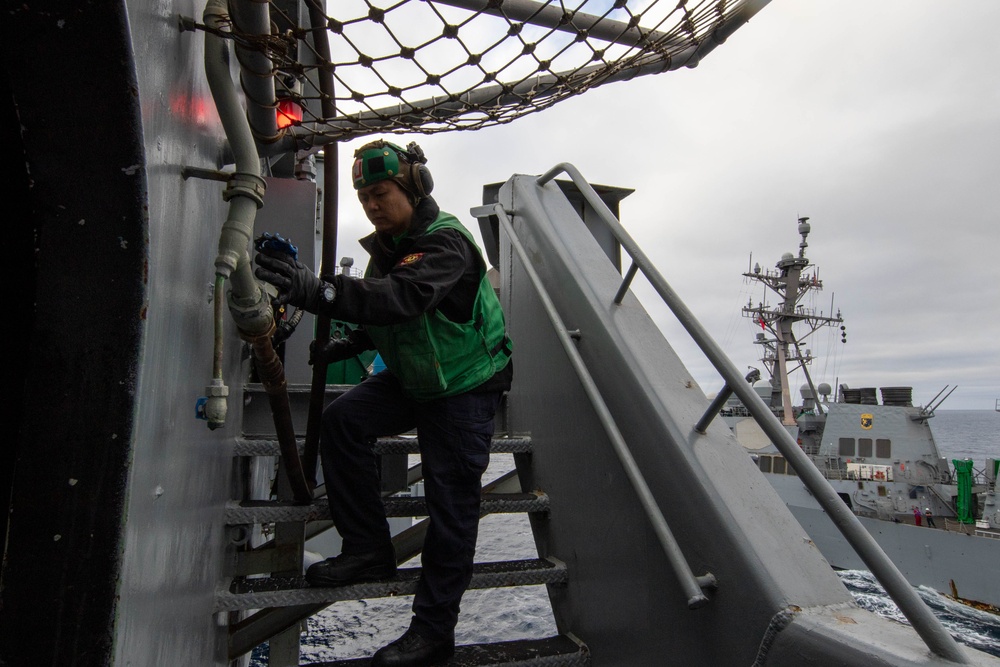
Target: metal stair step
269,511
498,445
248,446
560,650
261,593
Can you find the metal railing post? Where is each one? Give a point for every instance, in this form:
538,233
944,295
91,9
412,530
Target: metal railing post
917,613
691,585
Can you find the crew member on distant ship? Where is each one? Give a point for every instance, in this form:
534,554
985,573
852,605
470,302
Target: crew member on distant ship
916,515
929,517
426,305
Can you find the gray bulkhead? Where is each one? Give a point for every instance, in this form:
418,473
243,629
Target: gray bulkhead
777,599
113,105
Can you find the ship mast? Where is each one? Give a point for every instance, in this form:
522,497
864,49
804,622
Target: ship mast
790,283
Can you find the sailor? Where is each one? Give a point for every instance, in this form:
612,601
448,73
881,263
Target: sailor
426,305
916,515
929,517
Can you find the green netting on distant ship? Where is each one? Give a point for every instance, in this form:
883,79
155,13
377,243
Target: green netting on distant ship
963,500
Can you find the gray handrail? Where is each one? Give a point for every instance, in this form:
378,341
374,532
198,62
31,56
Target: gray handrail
923,621
691,585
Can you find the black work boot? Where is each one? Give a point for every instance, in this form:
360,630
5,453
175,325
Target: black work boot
412,650
352,568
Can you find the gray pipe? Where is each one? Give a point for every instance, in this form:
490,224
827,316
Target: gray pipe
256,70
245,191
248,303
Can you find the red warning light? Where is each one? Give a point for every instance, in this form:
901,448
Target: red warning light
289,113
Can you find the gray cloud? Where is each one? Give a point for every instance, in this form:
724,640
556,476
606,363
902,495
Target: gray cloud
879,121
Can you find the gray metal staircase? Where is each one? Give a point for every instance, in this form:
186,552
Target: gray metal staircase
625,446
266,598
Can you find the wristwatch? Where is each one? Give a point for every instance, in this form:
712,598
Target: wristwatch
328,294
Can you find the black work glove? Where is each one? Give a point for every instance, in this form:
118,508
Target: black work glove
297,284
336,349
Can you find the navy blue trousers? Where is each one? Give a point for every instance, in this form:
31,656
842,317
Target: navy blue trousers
455,434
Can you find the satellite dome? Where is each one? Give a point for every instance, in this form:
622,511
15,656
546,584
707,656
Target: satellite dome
787,256
824,389
763,389
806,392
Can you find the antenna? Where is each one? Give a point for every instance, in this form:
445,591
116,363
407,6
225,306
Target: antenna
938,404
938,394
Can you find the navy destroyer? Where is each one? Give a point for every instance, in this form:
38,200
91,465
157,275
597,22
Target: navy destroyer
938,520
163,479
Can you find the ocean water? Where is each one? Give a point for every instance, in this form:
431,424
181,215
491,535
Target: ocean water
972,627
352,629
973,434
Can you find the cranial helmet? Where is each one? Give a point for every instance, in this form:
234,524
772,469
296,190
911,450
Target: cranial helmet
381,160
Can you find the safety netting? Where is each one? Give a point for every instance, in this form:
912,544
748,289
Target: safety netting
441,65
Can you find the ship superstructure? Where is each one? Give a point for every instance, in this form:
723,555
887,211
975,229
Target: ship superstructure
937,519
791,283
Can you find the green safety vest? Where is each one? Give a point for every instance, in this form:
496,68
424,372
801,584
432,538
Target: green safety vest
434,357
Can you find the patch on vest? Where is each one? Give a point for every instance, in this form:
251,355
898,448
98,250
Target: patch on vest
410,259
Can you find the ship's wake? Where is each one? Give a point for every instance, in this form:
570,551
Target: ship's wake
968,625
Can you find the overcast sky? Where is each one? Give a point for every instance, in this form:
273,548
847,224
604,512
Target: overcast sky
878,119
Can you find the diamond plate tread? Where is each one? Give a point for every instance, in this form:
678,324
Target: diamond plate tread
498,445
391,445
557,651
261,593
262,447
266,511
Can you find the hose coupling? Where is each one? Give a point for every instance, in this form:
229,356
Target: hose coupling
245,184
212,406
252,314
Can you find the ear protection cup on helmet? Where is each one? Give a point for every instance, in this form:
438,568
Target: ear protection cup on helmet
420,177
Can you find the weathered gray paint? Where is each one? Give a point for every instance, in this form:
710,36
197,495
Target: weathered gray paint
711,494
622,597
174,533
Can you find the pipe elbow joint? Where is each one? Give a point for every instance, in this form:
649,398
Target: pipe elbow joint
252,314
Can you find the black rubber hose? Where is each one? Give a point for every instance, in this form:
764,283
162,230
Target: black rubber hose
317,17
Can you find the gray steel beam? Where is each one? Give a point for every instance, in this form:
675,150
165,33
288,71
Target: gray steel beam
540,87
923,621
706,488
548,15
690,584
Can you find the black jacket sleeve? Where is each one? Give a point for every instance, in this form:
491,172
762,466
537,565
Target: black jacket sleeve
359,340
419,279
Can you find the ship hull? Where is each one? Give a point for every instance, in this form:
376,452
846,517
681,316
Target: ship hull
948,561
